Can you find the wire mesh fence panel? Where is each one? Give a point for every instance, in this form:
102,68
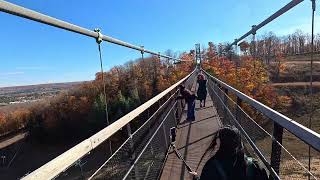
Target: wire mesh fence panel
149,162
293,152
166,114
295,159
116,166
123,158
84,167
233,115
291,156
98,164
141,137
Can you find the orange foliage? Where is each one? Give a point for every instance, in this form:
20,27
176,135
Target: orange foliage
14,120
83,109
251,77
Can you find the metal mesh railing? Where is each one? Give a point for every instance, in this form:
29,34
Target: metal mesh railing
149,162
286,158
124,157
76,163
116,166
142,155
129,136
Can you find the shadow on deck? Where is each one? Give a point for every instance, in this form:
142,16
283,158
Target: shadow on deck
193,138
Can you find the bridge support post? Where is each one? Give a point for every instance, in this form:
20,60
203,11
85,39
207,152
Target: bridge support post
238,110
178,112
133,154
165,135
225,101
276,148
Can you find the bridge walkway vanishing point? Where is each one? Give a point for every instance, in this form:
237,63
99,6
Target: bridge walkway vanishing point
193,138
144,153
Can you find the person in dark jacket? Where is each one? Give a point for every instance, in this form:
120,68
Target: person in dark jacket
202,89
230,162
190,98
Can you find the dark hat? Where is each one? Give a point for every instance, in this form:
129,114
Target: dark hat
181,86
230,139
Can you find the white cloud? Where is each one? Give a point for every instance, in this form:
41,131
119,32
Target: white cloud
32,68
11,73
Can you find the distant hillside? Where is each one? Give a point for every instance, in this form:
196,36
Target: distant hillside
23,94
37,88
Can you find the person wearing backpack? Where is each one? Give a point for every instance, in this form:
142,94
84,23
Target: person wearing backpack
230,162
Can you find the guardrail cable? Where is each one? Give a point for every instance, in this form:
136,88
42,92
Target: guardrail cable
271,136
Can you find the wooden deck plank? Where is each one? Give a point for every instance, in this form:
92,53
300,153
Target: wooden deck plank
193,138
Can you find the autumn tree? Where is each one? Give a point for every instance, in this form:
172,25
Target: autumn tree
251,77
244,47
81,111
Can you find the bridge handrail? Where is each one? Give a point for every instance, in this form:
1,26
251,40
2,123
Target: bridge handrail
307,135
20,11
59,164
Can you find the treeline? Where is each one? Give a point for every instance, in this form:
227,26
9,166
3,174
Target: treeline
292,44
269,45
250,76
81,111
247,74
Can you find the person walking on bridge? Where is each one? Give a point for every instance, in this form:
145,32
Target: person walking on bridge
202,89
190,100
230,162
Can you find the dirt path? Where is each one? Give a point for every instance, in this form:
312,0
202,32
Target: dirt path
303,62
295,84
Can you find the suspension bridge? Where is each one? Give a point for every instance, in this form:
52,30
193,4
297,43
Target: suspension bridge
147,152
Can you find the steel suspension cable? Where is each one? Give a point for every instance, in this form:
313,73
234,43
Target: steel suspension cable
281,11
99,40
311,80
26,13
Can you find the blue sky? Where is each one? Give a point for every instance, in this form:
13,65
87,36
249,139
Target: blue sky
33,53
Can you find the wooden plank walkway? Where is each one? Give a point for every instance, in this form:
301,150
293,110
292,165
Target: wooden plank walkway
192,141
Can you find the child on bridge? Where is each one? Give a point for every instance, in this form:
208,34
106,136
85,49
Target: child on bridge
190,100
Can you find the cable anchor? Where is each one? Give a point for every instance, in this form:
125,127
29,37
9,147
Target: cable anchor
99,38
254,29
142,49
